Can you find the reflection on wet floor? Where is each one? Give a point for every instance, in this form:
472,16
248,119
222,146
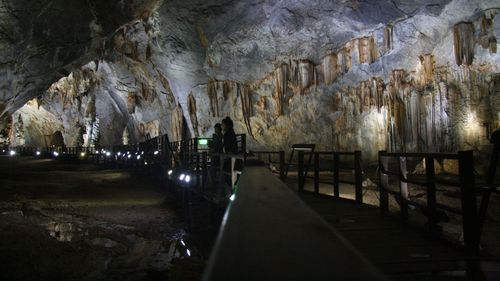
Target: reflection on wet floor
62,231
89,224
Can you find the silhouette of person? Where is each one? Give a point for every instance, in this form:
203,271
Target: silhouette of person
230,143
217,145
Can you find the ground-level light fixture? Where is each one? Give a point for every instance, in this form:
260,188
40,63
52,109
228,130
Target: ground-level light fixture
119,153
129,156
187,179
108,153
181,177
12,152
138,157
55,153
38,153
82,154
170,172
156,152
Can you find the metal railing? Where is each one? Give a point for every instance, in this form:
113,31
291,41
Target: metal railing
464,183
353,164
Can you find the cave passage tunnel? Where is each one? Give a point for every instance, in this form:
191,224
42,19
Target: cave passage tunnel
249,140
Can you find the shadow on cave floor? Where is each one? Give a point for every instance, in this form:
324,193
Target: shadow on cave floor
67,221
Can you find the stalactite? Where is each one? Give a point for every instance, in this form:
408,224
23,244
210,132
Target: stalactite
164,82
91,112
364,50
19,131
80,129
463,35
246,104
388,38
330,68
177,123
373,50
192,113
281,86
125,137
377,93
487,37
307,75
227,87
427,64
365,96
212,96
344,57
131,102
145,91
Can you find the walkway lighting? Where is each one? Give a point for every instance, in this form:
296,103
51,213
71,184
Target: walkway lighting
12,153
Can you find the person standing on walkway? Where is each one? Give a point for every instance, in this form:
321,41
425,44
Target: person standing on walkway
230,143
217,144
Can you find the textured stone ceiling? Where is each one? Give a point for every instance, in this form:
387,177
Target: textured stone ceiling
325,68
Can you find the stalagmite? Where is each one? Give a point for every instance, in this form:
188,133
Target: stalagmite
192,113
463,35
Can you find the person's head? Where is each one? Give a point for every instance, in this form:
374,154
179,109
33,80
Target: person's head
218,128
227,124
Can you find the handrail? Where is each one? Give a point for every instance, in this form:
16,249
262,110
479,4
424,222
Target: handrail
245,250
337,166
470,219
282,164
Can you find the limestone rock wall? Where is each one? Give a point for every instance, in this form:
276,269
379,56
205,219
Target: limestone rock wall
379,75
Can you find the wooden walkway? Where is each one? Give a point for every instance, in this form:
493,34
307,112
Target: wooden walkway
399,250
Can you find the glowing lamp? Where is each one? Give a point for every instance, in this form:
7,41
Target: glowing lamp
202,141
12,153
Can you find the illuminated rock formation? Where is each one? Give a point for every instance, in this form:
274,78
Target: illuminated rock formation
369,75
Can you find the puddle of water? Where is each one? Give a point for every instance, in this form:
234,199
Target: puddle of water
62,231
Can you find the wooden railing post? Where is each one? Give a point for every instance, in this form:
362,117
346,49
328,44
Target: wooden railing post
301,171
383,181
336,187
316,172
358,177
468,196
431,193
282,166
403,187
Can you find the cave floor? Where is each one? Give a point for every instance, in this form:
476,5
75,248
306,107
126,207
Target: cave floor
68,221
403,251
